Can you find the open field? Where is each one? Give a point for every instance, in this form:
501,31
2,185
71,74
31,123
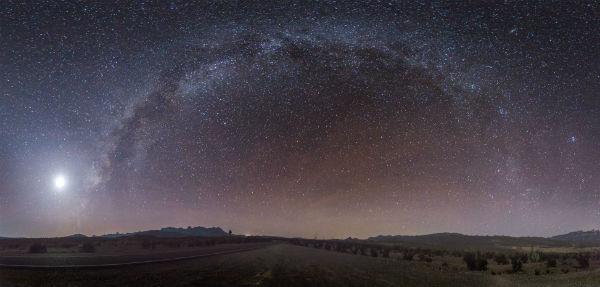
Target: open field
289,265
65,260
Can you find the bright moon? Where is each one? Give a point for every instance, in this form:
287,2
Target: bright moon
60,182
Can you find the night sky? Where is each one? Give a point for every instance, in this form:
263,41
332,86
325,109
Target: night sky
317,119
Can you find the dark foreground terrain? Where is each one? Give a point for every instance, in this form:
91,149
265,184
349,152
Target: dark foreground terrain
83,260
289,265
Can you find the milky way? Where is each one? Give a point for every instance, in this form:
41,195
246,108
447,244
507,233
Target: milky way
300,119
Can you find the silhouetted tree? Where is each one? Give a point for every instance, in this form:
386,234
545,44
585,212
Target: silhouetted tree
230,232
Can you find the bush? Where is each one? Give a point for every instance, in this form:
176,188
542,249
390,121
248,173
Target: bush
516,264
374,252
475,262
537,272
37,248
551,262
583,260
386,253
524,258
501,259
88,248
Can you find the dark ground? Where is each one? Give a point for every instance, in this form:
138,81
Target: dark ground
278,265
80,259
288,265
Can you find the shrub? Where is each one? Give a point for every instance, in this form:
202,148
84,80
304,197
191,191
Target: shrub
583,260
386,253
408,256
37,248
501,259
475,262
374,252
537,272
469,259
524,258
551,262
88,248
516,264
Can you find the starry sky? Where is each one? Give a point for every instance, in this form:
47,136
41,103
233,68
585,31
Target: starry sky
298,118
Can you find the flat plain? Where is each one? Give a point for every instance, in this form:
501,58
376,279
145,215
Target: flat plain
283,264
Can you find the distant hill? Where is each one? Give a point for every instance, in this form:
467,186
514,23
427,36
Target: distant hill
582,237
461,241
76,236
175,232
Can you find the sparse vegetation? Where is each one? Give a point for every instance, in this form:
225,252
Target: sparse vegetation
539,264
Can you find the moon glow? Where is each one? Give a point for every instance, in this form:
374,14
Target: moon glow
60,182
